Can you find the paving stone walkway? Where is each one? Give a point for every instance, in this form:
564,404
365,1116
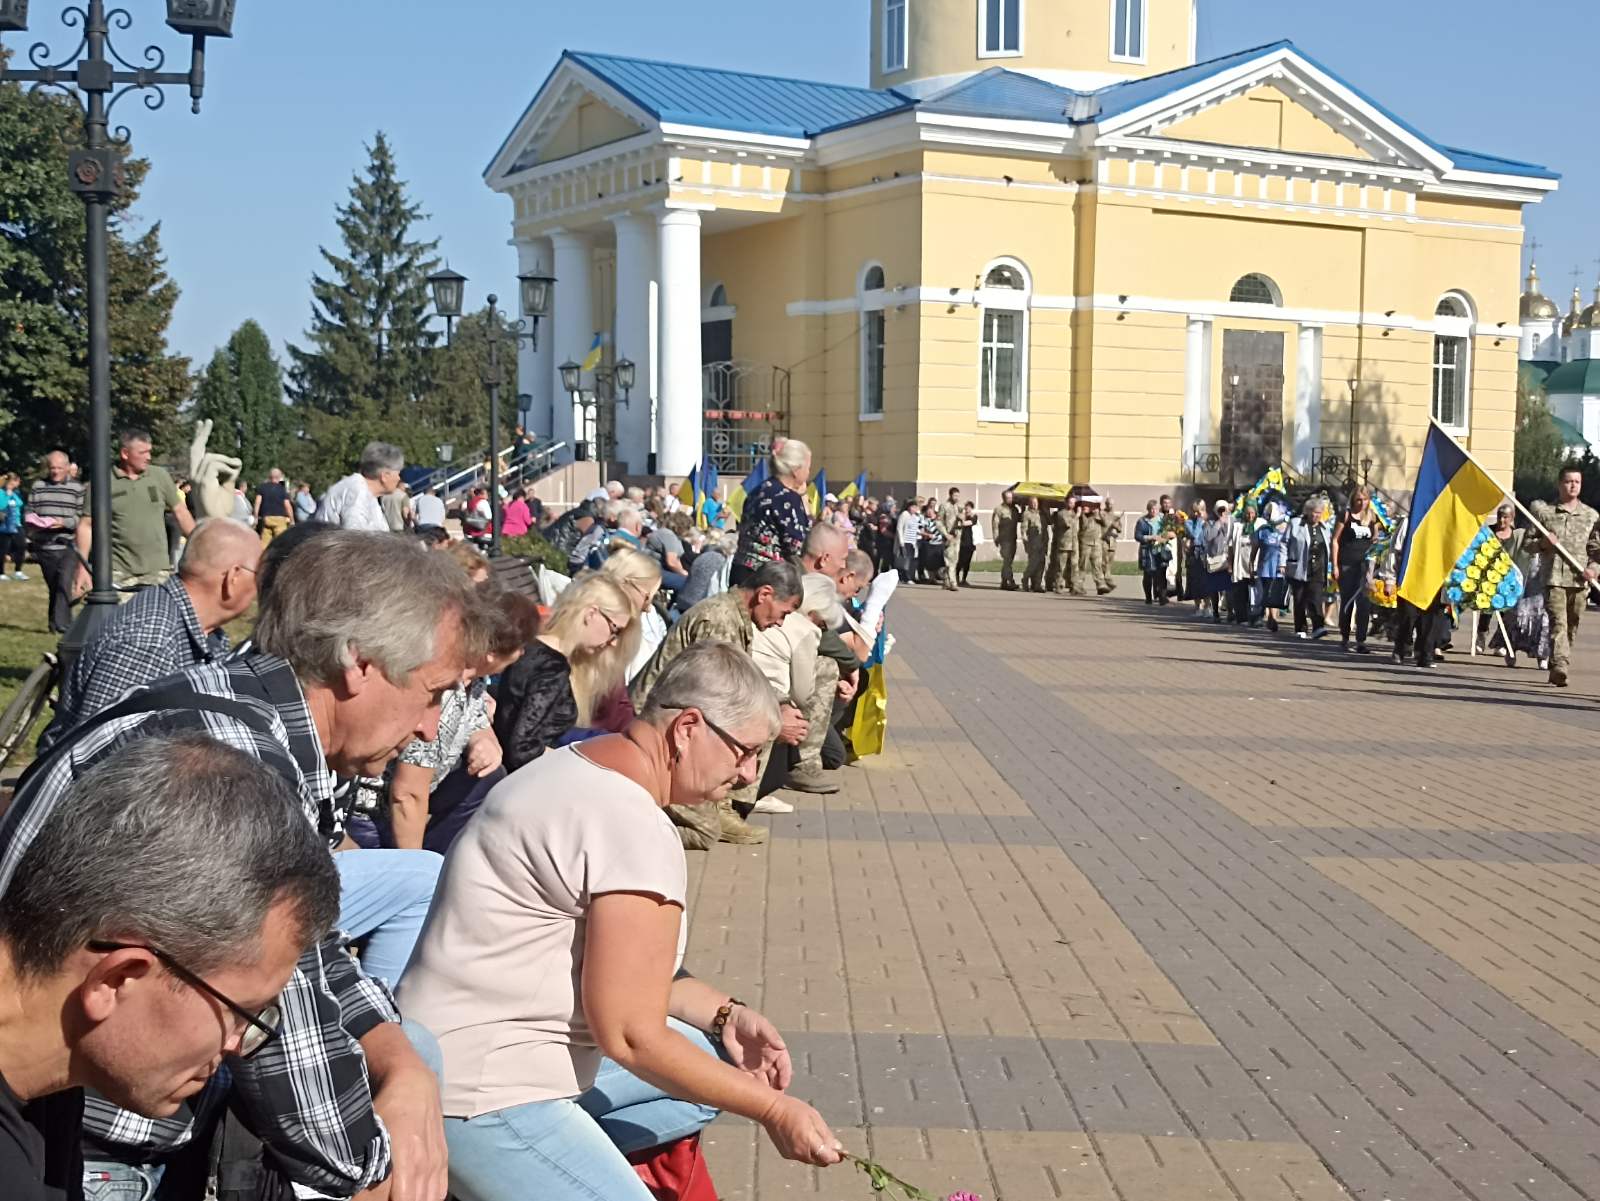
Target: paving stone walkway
1137,907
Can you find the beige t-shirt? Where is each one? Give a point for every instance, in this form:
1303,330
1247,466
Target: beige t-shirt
497,970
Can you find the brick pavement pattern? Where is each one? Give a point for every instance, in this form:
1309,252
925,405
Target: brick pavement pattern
1138,907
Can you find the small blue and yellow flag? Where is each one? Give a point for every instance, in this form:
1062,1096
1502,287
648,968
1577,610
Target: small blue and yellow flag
817,493
689,490
856,487
750,483
708,479
1452,499
592,359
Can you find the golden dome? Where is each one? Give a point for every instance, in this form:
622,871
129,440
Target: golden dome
1536,306
1571,322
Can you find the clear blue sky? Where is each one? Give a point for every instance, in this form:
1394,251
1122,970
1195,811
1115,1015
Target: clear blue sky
246,191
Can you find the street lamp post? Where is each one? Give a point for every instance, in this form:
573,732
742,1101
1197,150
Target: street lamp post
97,77
1354,384
620,375
534,293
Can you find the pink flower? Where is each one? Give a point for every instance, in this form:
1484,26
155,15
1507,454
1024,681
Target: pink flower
963,1197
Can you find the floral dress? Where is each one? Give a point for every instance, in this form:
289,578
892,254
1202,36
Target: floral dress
773,528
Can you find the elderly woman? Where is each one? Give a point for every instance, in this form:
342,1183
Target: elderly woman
1194,550
1217,567
565,672
1242,567
556,938
1308,550
775,521
1155,553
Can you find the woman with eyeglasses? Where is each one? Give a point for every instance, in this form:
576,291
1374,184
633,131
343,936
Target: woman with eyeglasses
551,965
565,672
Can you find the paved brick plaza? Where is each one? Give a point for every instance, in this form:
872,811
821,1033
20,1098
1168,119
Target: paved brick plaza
1136,907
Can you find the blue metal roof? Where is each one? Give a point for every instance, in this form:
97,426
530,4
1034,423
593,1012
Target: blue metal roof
717,99
712,98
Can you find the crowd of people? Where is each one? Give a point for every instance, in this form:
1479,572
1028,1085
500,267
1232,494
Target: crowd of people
391,896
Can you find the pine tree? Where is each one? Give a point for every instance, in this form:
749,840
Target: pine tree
216,399
264,420
43,294
367,358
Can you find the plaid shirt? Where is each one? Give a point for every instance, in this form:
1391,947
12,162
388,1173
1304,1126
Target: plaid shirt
154,635
306,1092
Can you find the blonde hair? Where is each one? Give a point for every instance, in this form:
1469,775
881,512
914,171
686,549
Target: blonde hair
790,456
635,570
596,674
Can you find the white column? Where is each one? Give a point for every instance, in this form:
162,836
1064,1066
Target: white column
682,407
535,376
637,260
1196,388
572,329
1307,397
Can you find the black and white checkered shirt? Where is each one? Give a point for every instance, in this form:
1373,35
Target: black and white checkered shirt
306,1092
156,634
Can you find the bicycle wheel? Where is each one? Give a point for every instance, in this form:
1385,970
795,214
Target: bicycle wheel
23,711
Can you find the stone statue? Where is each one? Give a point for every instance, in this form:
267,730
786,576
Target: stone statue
213,477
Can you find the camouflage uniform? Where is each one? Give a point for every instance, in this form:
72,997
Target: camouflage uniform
1063,549
950,523
721,618
1033,542
1003,528
1578,531
1111,531
1086,570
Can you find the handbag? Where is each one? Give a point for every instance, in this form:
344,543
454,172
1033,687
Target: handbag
675,1172
1217,562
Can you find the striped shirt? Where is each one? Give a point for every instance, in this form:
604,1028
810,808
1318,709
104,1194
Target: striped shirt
306,1093
62,504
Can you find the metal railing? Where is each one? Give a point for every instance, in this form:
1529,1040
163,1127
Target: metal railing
456,478
1203,464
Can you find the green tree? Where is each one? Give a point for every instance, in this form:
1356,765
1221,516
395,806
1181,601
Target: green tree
368,352
43,294
1540,449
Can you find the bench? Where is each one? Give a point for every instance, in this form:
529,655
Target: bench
514,574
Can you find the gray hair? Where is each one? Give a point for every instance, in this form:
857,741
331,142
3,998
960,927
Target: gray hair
378,457
820,597
177,841
350,595
790,457
780,575
216,544
861,564
718,679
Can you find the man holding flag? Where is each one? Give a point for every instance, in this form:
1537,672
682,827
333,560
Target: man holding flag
1452,498
1572,527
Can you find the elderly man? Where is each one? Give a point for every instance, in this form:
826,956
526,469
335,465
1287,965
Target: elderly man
118,971
360,637
274,507
141,497
352,503
164,630
56,506
767,596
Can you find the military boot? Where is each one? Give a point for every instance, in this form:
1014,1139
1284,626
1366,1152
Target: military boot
736,830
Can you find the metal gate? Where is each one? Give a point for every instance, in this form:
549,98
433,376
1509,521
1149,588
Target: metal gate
1252,404
746,407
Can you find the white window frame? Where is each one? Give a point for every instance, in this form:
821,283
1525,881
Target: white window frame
1129,7
872,306
890,7
1459,331
1013,300
983,24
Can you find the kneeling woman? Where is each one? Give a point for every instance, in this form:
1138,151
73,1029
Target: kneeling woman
556,936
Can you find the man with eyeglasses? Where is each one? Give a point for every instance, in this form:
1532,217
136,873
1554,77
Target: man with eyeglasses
165,629
352,503
119,974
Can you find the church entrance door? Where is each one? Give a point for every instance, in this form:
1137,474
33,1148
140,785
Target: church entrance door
1252,404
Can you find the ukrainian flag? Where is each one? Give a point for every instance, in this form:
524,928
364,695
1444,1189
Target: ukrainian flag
751,482
817,493
709,478
856,487
592,359
689,490
1452,499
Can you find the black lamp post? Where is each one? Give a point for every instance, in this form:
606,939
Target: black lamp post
1354,384
97,77
619,376
533,291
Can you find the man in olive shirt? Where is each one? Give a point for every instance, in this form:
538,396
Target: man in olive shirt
141,496
1003,524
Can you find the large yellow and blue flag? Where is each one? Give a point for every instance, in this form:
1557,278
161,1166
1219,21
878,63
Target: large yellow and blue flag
750,483
1452,498
689,490
817,493
592,359
708,478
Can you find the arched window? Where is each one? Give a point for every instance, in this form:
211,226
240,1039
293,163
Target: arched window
1255,289
872,341
1452,361
719,298
1005,298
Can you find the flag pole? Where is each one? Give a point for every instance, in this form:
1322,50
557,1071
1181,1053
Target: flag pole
1538,525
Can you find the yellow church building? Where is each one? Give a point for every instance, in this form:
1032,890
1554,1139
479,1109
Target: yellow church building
1044,243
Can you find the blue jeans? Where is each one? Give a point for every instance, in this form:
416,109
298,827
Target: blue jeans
572,1149
384,899
105,1180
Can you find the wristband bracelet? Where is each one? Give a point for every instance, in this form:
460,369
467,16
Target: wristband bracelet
723,1014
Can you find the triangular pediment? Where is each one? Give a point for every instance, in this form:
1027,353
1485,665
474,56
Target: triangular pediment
1279,103
575,111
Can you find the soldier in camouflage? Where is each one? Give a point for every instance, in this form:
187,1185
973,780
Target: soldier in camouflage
1033,541
1003,523
1575,527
